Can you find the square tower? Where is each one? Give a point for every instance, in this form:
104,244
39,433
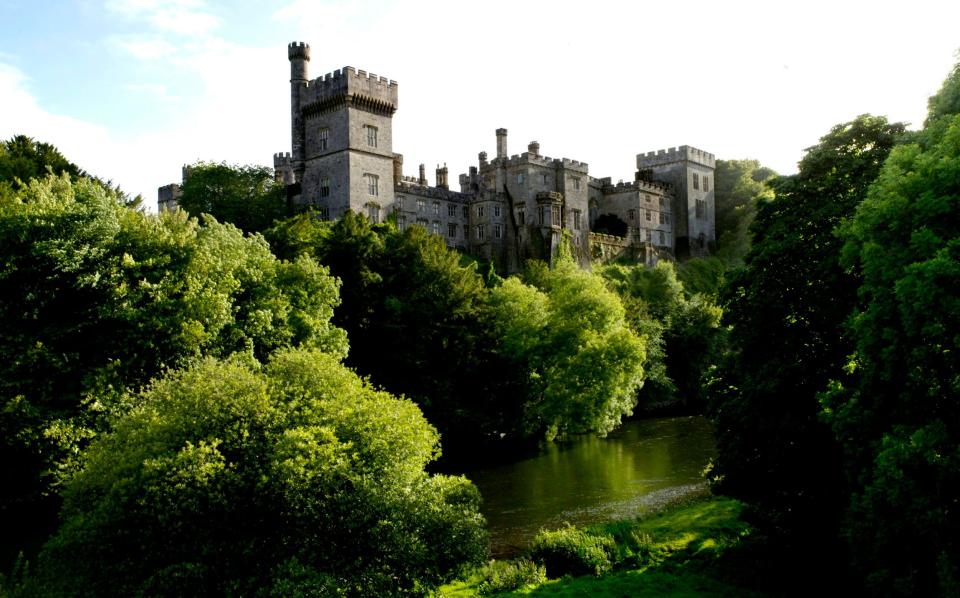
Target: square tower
343,129
690,172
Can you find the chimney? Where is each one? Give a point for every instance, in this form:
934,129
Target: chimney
423,175
442,177
534,148
482,157
501,143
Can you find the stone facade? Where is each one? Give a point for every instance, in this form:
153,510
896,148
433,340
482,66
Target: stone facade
509,208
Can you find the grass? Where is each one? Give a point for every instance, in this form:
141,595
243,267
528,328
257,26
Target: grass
690,550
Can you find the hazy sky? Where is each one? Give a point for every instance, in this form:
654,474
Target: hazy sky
132,89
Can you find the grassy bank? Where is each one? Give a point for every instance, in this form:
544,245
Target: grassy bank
689,550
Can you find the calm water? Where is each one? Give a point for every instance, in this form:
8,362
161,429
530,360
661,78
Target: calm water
638,468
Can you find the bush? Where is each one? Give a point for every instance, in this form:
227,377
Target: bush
503,576
572,551
233,478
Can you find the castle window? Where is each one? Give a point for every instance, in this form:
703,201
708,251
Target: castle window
436,208
554,215
451,230
631,214
322,138
324,186
496,211
576,219
706,183
479,211
520,178
543,179
497,231
451,210
466,212
521,216
662,241
324,212
696,181
399,205
373,184
423,222
662,219
479,231
576,184
371,135
542,215
649,215
373,213
436,227
421,205
661,202
646,197
401,222
701,208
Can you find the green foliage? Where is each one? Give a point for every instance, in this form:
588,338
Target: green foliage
96,297
23,159
568,332
787,307
232,478
683,333
897,414
501,576
610,224
572,551
739,185
246,196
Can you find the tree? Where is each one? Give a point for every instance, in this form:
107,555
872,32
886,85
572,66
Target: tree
787,307
246,196
294,478
897,415
739,186
22,159
96,297
567,332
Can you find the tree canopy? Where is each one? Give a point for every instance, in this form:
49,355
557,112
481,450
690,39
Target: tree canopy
294,478
246,196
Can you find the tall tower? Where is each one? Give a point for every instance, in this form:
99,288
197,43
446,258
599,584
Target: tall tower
342,127
690,171
299,55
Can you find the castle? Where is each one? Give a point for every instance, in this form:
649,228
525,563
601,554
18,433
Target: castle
509,208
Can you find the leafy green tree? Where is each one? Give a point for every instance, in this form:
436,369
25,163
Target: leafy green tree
683,332
246,196
22,159
898,414
787,307
568,333
295,478
739,185
96,297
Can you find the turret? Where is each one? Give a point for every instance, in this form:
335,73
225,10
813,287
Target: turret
502,143
423,174
442,174
299,55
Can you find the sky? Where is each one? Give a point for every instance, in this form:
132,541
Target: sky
131,90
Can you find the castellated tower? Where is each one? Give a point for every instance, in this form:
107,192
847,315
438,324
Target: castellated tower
690,172
342,138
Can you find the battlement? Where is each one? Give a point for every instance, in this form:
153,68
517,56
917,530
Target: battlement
620,187
298,50
282,159
530,158
410,186
351,86
676,154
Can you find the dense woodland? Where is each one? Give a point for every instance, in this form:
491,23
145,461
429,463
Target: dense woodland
237,398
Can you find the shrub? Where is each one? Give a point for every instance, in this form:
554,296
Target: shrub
572,551
503,576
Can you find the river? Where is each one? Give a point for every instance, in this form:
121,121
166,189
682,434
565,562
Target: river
638,468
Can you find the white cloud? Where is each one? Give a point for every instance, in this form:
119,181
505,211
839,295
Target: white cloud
185,17
157,91
145,49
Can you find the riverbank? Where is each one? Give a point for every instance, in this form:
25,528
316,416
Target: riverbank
699,547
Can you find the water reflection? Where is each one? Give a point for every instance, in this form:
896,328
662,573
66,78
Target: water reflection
642,465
